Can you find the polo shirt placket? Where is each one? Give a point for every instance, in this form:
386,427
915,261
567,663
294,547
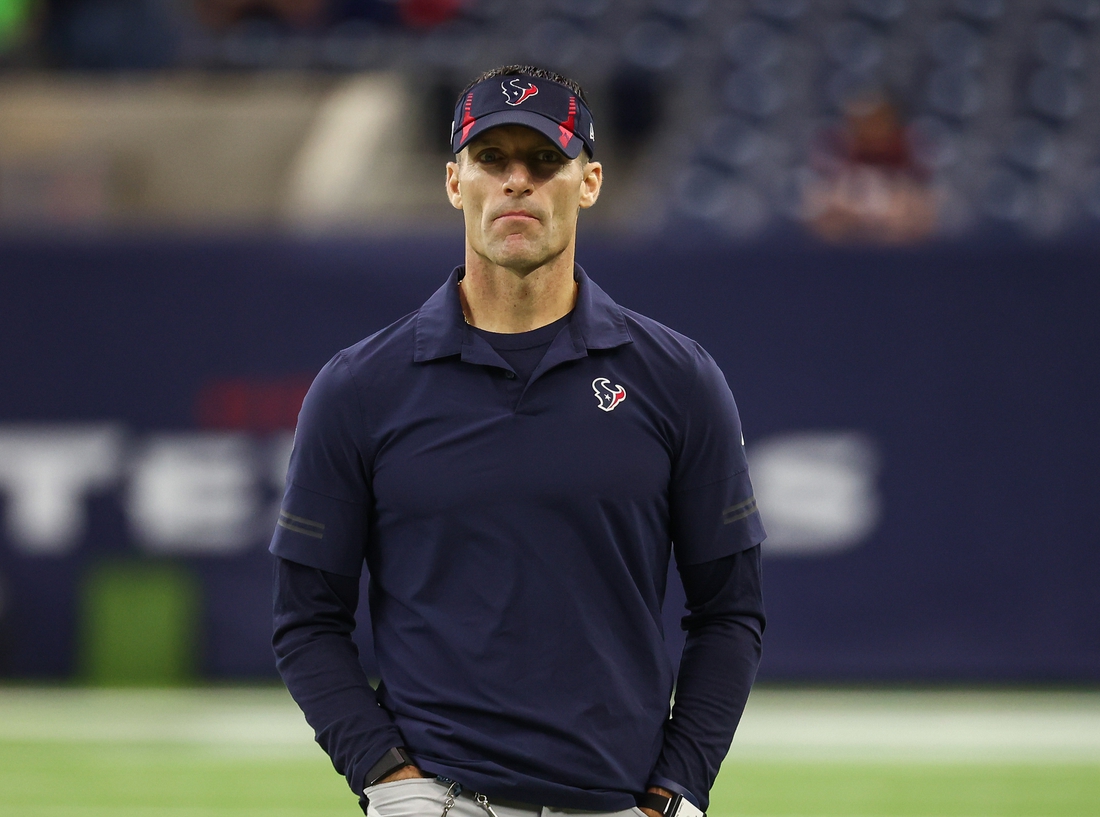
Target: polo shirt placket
594,326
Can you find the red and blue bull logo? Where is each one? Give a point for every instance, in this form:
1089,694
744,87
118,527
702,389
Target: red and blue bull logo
515,93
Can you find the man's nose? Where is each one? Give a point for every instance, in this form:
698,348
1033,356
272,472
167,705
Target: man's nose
517,181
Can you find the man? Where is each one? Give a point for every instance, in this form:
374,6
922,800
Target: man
514,461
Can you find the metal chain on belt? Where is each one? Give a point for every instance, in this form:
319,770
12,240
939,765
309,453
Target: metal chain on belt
454,788
483,801
452,792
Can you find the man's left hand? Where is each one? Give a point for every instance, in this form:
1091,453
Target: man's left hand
656,790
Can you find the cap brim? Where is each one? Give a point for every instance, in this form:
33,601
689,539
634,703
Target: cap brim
547,127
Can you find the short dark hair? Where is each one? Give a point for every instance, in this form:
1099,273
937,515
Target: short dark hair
531,71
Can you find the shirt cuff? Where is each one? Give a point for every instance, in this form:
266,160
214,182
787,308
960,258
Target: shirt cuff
665,783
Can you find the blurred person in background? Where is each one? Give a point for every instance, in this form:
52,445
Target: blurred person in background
866,185
516,462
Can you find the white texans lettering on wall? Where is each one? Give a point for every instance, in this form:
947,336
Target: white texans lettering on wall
217,492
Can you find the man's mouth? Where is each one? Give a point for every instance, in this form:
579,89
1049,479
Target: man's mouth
517,214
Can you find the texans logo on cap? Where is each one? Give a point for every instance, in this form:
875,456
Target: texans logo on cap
515,94
548,107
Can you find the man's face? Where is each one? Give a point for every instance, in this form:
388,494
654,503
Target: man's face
520,196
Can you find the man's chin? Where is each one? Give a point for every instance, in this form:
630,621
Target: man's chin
521,259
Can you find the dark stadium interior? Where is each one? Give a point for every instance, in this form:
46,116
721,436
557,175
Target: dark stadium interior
880,217
712,112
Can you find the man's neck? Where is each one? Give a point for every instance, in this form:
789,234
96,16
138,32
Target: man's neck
498,299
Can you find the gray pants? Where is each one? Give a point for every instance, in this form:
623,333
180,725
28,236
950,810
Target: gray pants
428,797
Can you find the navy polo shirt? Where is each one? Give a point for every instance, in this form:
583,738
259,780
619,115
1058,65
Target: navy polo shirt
517,535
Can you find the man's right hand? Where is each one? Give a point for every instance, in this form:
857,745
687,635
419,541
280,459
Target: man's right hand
404,773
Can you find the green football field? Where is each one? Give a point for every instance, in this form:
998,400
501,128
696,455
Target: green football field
247,752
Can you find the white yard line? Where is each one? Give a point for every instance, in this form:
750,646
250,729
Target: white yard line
920,726
778,724
233,718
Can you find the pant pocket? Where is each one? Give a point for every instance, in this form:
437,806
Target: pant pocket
414,797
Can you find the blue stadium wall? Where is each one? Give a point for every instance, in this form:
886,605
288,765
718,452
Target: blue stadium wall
945,399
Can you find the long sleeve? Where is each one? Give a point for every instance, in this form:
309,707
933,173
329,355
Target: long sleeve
724,625
314,618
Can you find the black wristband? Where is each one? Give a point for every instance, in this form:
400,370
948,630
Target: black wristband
652,800
396,758
675,806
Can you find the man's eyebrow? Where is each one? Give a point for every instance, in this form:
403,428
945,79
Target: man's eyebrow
476,144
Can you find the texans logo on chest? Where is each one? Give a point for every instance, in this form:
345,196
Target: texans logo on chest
607,396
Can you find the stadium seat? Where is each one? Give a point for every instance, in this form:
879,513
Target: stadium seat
732,143
556,43
1091,193
1081,11
846,86
109,34
1032,146
935,144
1058,45
985,12
880,12
581,9
721,201
1008,197
748,213
854,45
753,93
253,44
753,44
452,46
955,93
955,44
486,11
653,44
702,193
785,12
683,10
352,45
1055,94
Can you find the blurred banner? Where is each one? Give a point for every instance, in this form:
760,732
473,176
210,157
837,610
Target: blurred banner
921,427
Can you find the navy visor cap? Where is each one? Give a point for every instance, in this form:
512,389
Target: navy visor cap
542,104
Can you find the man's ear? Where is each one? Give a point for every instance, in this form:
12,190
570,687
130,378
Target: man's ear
591,183
453,193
